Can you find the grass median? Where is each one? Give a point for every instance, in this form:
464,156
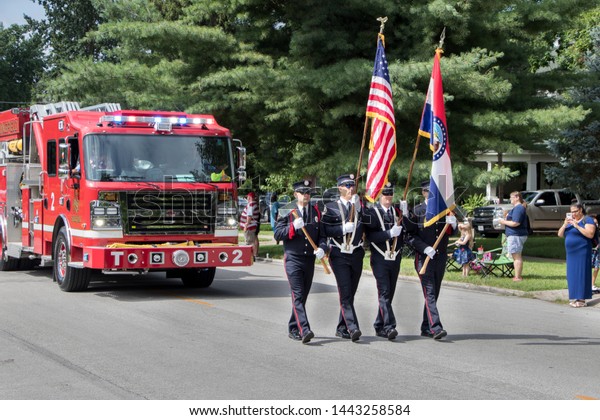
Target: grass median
543,268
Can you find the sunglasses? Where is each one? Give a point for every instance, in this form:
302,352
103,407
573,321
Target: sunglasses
303,190
348,185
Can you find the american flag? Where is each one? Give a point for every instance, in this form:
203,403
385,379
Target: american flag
383,130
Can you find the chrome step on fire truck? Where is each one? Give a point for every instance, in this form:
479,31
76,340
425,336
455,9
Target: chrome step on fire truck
118,191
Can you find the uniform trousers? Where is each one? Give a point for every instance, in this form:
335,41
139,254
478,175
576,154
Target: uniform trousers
347,269
431,283
299,270
386,276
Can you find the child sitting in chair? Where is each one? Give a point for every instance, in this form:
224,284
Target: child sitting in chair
464,254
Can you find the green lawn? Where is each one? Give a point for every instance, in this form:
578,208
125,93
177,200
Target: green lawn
543,268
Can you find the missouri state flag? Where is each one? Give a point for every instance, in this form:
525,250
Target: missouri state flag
382,147
433,126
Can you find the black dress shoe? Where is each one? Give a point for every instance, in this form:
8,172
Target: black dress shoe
342,334
391,334
381,333
355,335
426,334
308,336
294,335
440,334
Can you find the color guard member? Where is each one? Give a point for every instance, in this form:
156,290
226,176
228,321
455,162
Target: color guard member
422,238
347,253
299,256
385,233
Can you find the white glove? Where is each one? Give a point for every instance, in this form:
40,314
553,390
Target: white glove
298,223
451,220
395,231
430,252
348,227
355,200
319,253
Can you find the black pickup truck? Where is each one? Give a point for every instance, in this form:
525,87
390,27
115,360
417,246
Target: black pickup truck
546,210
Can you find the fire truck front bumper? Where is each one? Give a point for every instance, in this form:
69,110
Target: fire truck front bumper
130,257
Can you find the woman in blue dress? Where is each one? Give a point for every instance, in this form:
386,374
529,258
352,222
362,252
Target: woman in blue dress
578,231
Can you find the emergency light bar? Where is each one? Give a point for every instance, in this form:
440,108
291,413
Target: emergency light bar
120,119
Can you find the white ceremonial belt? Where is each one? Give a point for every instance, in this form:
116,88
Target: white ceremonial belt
388,255
346,248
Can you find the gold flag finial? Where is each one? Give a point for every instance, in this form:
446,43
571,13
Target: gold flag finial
382,20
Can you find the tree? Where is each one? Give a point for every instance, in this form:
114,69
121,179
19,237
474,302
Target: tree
64,29
292,78
21,64
578,150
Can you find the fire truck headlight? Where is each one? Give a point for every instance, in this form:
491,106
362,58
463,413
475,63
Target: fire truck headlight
181,258
105,214
226,212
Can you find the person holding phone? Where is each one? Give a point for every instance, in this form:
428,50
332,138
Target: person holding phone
578,231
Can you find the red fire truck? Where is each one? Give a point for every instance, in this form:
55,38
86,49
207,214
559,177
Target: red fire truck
118,191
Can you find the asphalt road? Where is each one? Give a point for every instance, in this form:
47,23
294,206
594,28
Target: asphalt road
150,338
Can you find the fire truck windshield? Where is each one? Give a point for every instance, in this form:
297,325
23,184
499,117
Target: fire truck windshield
112,157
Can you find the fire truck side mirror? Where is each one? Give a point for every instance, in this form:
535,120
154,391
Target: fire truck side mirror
241,160
63,160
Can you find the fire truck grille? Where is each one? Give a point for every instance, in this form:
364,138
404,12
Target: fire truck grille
169,212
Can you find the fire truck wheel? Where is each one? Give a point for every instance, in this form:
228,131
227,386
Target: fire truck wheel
198,278
69,279
8,263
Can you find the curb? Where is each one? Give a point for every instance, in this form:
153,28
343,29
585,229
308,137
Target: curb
553,296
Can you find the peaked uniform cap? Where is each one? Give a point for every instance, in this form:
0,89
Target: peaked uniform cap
342,179
388,189
301,185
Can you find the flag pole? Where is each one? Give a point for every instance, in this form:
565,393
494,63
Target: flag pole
414,158
382,20
435,245
312,243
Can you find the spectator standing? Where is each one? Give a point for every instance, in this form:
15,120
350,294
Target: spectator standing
595,259
274,211
578,231
250,223
516,231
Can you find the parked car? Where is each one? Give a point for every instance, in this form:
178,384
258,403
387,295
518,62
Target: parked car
546,210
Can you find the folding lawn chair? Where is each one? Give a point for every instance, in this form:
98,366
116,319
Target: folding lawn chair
499,263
